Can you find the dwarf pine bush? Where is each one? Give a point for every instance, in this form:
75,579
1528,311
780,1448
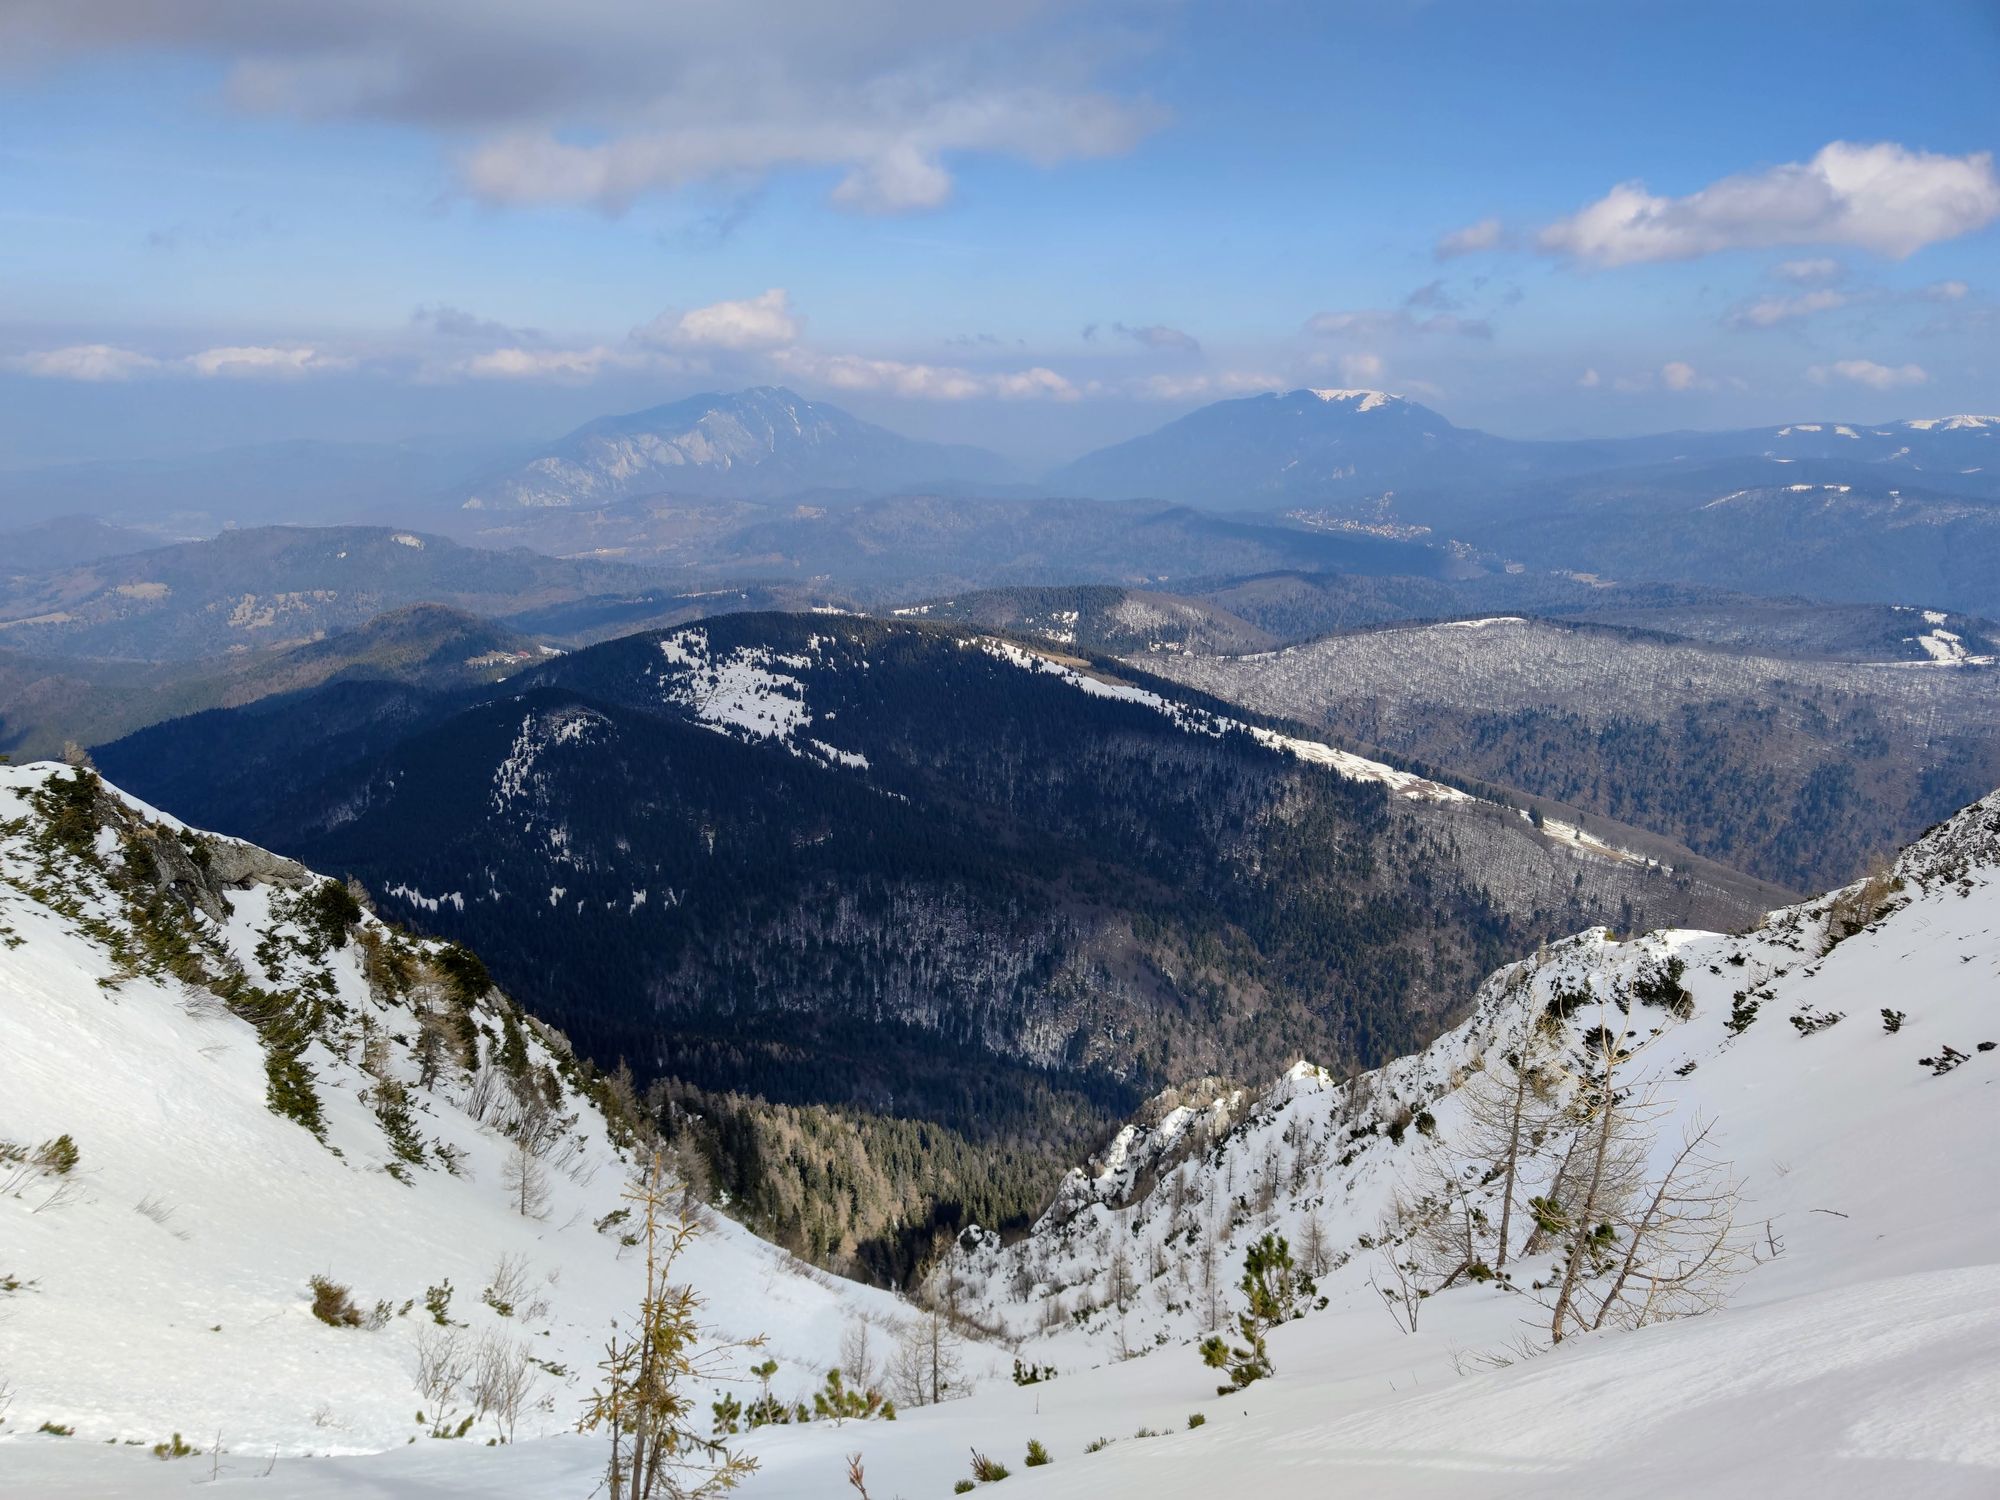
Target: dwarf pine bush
333,1304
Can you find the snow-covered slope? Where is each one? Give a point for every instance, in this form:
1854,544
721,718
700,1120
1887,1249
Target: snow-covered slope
162,995
1858,1353
1847,1141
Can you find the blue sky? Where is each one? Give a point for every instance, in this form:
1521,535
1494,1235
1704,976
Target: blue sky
1033,225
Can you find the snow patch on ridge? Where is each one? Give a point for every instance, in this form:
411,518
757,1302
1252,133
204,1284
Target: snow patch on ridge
1946,648
515,777
751,692
1953,424
1200,721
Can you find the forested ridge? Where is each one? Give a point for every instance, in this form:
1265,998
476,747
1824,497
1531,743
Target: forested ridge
954,895
1799,771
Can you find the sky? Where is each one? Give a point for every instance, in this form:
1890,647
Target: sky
1033,225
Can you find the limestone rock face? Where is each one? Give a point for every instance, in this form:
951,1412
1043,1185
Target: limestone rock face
245,865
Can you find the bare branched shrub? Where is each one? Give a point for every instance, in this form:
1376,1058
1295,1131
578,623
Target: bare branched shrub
1444,1233
64,1194
486,1099
1680,1254
526,1183
1632,1251
1359,1098
378,1053
507,1287
857,1358
1315,1251
927,1367
1404,1295
442,1364
1510,1106
502,1381
161,1213
201,1004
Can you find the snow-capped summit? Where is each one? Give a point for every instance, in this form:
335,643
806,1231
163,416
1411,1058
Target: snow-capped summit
1361,400
1289,446
1951,424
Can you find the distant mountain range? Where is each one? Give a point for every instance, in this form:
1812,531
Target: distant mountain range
47,701
754,444
1899,512
1279,449
1309,446
762,488
264,587
1301,445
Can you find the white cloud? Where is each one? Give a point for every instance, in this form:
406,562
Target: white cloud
1678,375
600,101
894,160
92,362
1867,372
767,328
1769,312
1816,268
1945,291
1484,235
515,363
1588,380
765,321
926,382
102,362
1025,385
895,180
1881,198
258,361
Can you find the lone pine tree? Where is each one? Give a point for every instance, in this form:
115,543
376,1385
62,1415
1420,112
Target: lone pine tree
1272,1288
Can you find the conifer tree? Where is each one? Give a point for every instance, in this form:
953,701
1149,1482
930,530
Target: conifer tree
645,1401
1272,1287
